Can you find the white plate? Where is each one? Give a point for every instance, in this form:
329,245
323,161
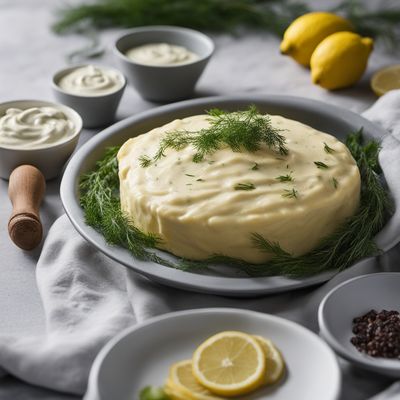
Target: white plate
225,280
142,355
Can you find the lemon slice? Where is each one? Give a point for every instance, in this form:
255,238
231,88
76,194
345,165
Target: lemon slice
182,382
386,79
229,363
174,394
275,365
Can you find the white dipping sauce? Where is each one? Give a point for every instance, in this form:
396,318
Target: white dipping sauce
35,127
91,81
161,54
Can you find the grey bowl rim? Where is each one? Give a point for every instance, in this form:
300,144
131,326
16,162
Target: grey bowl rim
108,347
228,286
372,364
56,76
160,28
53,146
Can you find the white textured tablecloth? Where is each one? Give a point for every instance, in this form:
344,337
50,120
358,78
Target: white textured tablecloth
30,54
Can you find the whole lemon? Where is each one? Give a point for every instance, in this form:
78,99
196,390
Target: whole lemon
306,32
340,60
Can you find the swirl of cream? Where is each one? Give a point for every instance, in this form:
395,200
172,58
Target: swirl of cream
161,54
91,81
34,127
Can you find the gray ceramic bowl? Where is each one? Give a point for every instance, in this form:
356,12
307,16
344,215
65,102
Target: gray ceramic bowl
96,111
164,83
49,159
354,298
322,116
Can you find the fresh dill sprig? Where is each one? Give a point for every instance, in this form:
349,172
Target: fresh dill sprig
321,165
240,131
290,193
285,178
328,149
215,15
335,182
225,16
244,186
352,241
144,161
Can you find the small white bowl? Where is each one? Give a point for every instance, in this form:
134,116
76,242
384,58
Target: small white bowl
352,299
164,83
97,110
50,158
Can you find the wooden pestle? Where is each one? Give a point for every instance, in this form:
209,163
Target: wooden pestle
26,190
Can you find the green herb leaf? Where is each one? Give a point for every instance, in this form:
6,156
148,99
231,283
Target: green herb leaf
192,176
335,183
328,149
285,178
255,167
320,165
290,193
240,131
144,161
244,186
153,393
199,180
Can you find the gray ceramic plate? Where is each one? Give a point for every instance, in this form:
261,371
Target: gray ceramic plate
137,357
224,281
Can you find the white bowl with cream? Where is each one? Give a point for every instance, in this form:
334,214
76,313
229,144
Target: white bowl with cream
38,133
93,91
163,63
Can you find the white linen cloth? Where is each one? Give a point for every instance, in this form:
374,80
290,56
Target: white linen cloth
88,298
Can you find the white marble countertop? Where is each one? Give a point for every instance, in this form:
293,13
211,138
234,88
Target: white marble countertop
30,53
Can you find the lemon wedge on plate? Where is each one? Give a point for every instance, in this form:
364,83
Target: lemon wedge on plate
386,79
182,383
275,366
230,363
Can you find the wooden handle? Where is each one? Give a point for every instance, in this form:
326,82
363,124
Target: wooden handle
26,190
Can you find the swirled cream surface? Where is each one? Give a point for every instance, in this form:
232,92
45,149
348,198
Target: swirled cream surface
161,54
201,209
91,81
35,127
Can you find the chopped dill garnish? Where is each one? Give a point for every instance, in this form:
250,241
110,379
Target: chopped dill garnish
320,165
199,180
290,193
335,183
285,178
244,186
255,167
328,149
352,241
144,161
192,176
240,131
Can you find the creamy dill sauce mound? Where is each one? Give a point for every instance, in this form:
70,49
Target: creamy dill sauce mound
213,206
